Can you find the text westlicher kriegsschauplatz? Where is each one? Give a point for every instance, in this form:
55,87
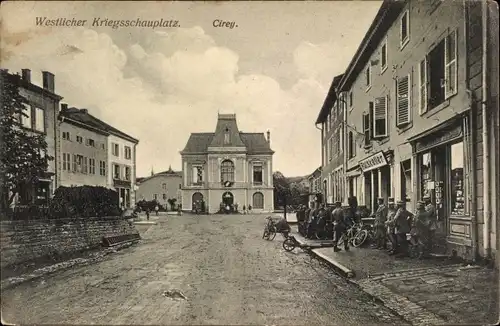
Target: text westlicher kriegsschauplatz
105,22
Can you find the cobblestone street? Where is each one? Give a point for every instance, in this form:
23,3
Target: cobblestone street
226,272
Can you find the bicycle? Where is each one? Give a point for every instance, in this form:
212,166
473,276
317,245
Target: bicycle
269,229
351,233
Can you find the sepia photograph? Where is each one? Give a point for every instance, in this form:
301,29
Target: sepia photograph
249,162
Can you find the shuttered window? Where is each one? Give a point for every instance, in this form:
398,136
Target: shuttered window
367,129
422,86
450,63
380,117
403,114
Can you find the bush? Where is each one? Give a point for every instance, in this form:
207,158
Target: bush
144,205
84,201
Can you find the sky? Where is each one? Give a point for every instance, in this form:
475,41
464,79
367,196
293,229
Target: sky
273,68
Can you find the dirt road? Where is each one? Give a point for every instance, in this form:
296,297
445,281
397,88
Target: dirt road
225,271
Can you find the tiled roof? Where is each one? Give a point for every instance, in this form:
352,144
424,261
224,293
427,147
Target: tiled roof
330,99
82,116
169,172
255,143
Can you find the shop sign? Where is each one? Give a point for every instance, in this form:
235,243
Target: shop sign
373,162
439,138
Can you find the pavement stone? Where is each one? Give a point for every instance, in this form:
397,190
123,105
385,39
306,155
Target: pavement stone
423,292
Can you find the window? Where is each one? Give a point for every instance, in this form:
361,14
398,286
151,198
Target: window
197,174
91,166
127,173
75,162
422,86
90,142
39,120
66,135
164,186
26,119
330,149
66,162
258,200
227,171
164,196
116,149
405,29
436,76
351,145
128,152
426,173
457,180
368,76
116,171
406,185
257,174
78,163
383,56
85,165
103,146
403,101
155,197
368,125
450,63
79,139
350,99
102,168
180,185
380,117
226,136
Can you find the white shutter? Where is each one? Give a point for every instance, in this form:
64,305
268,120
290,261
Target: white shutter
422,86
450,63
403,101
380,117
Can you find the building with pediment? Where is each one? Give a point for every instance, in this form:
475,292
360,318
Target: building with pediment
228,167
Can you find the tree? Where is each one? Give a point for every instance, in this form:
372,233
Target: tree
23,153
281,189
172,201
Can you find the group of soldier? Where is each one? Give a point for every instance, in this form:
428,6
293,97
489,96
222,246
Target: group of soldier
394,222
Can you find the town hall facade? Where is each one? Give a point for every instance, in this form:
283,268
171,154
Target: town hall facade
228,167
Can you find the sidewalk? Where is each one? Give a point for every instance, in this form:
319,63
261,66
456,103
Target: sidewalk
424,292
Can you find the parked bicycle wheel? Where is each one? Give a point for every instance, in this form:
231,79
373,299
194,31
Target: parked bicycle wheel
272,233
289,244
360,238
266,234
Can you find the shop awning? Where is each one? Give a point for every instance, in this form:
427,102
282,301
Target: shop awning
353,173
439,127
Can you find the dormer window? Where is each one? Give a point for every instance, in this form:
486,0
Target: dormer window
226,136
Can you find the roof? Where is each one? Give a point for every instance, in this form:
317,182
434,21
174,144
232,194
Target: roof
330,99
16,79
86,120
316,173
255,143
387,14
167,173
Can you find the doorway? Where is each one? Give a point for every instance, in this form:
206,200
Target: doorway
228,199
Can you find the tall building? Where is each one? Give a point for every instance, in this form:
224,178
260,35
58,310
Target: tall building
228,167
422,116
41,108
94,153
160,186
331,119
84,149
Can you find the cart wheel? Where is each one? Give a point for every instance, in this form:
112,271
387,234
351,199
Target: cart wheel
266,235
360,238
272,235
288,244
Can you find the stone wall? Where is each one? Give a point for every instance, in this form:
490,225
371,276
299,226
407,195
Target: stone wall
22,241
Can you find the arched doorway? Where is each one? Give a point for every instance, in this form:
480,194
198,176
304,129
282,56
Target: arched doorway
196,200
258,200
228,198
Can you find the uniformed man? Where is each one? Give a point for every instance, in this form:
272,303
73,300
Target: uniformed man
339,226
380,218
390,224
419,229
431,223
401,221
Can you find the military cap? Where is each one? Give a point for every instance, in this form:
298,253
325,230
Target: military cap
420,203
427,196
400,202
390,200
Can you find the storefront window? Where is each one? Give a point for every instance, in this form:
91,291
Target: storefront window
426,176
457,179
406,186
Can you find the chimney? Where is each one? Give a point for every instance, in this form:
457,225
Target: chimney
64,107
26,75
268,137
48,81
84,111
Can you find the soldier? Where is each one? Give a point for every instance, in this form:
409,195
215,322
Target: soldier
419,229
401,221
430,209
380,218
339,227
390,225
